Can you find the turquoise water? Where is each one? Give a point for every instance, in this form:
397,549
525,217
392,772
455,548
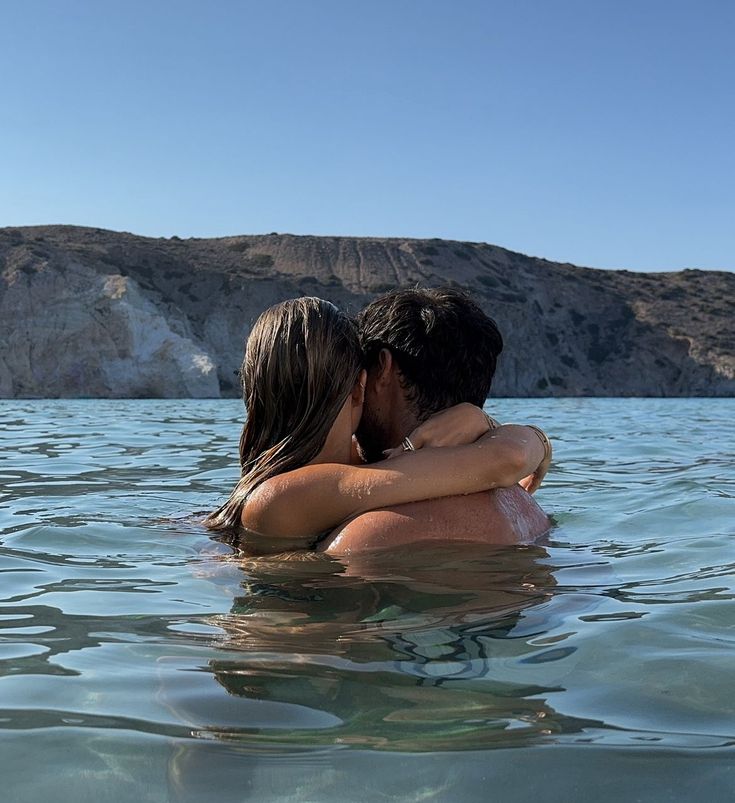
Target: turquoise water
140,661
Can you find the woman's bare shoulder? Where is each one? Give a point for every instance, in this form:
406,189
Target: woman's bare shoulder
299,500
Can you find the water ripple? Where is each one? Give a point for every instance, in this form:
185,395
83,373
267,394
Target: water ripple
122,623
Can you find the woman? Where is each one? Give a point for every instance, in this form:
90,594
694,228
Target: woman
303,387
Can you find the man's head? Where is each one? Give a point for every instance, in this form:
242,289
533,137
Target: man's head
425,349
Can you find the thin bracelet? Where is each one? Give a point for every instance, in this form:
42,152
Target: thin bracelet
491,422
544,438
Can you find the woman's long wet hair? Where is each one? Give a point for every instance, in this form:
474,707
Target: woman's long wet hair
302,360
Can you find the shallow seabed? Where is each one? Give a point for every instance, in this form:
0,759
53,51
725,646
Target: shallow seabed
140,661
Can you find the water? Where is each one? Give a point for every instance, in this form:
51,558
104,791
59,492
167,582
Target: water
140,661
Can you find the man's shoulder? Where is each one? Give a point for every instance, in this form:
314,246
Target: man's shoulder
503,516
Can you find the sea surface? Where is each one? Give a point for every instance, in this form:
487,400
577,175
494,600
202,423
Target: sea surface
142,661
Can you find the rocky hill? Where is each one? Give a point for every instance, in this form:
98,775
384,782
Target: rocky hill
92,313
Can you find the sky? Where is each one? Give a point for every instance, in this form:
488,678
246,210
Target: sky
597,132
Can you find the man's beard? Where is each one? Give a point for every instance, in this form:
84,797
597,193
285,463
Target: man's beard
372,437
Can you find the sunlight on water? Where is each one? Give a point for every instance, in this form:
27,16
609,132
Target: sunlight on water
144,662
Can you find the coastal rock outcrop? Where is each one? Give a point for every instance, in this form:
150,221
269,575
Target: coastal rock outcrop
94,313
71,331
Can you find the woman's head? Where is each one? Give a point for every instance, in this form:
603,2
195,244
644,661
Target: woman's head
302,361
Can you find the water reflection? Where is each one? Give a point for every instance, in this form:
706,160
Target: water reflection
421,650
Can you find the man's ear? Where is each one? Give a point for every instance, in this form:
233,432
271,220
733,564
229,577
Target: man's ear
385,367
358,399
358,392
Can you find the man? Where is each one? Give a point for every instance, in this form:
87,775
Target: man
427,350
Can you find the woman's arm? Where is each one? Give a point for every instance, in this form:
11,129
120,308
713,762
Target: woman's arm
290,510
465,423
455,426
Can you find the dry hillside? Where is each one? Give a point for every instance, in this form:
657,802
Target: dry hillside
92,313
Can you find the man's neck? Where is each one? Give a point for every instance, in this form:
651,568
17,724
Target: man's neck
403,425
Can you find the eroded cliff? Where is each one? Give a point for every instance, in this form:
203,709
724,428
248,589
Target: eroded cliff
93,313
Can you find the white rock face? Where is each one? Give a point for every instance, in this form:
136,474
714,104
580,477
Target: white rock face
156,357
73,332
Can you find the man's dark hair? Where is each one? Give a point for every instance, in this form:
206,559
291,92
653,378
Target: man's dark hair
445,346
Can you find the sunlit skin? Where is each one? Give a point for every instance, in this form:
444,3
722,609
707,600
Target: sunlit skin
290,510
504,516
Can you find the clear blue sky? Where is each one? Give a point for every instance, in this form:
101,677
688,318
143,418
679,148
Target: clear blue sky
600,132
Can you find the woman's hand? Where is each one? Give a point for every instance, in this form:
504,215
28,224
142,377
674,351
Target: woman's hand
465,423
455,426
532,481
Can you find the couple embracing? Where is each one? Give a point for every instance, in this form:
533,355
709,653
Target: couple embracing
367,434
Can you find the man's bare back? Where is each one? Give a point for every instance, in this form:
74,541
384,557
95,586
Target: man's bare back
503,516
